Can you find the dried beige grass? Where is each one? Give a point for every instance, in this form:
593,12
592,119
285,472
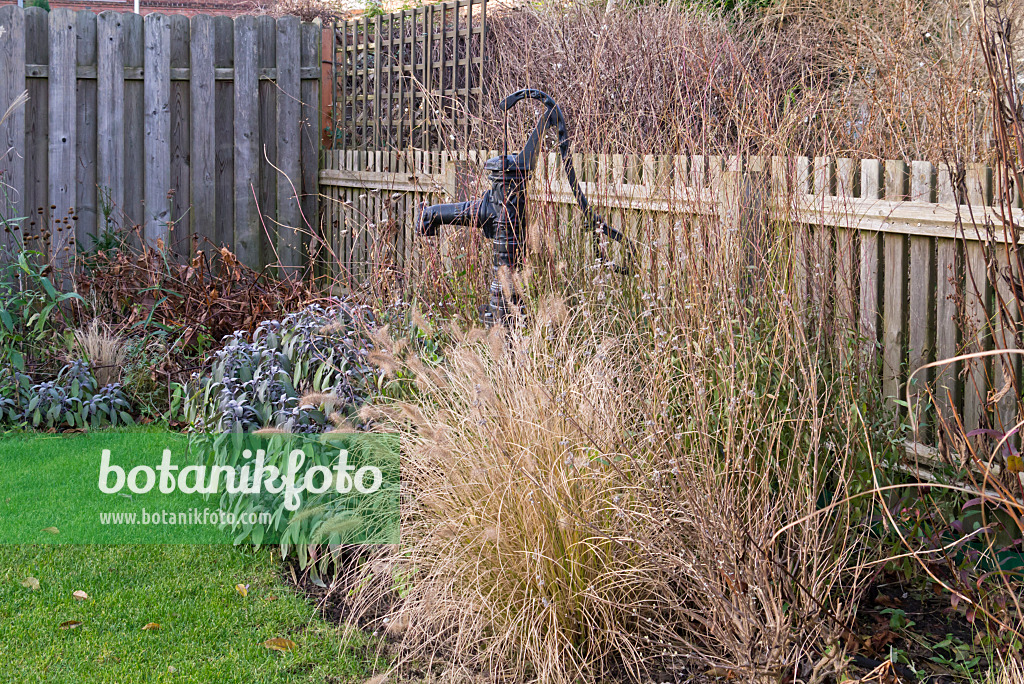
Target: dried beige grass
104,349
540,543
1010,671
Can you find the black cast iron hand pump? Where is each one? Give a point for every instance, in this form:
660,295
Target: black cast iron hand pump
501,212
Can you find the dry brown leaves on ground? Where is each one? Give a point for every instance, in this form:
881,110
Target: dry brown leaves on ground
212,294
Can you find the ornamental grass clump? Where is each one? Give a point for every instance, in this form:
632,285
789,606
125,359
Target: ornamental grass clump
631,482
513,464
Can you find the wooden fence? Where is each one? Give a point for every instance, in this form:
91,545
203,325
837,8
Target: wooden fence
879,246
408,79
204,126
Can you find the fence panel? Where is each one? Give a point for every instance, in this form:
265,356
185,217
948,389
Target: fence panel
410,79
139,121
878,248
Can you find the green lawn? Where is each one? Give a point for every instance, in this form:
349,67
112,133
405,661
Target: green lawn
208,631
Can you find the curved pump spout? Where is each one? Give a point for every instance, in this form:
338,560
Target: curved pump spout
471,213
501,211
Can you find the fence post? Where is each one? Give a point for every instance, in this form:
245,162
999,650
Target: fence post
743,212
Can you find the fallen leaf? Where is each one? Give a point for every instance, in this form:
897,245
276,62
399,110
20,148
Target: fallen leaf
270,598
280,644
150,626
51,530
379,679
80,595
30,583
878,641
887,601
242,589
70,624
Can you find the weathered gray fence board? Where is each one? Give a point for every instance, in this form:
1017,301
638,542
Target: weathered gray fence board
975,384
309,131
288,180
266,53
922,282
224,94
946,282
132,213
110,114
893,306
12,131
870,267
157,128
203,169
86,129
37,125
134,118
1006,369
63,138
180,139
247,229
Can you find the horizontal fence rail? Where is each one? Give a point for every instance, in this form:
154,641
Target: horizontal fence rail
201,127
882,248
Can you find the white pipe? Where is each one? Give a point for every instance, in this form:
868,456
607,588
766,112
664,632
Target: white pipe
136,6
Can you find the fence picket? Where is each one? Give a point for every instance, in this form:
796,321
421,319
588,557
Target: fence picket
847,256
870,269
12,131
134,53
37,125
289,239
224,115
179,140
266,146
893,306
975,299
821,244
203,130
246,150
63,134
157,86
1006,368
86,227
308,183
922,284
110,116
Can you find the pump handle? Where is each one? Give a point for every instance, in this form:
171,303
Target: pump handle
553,116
